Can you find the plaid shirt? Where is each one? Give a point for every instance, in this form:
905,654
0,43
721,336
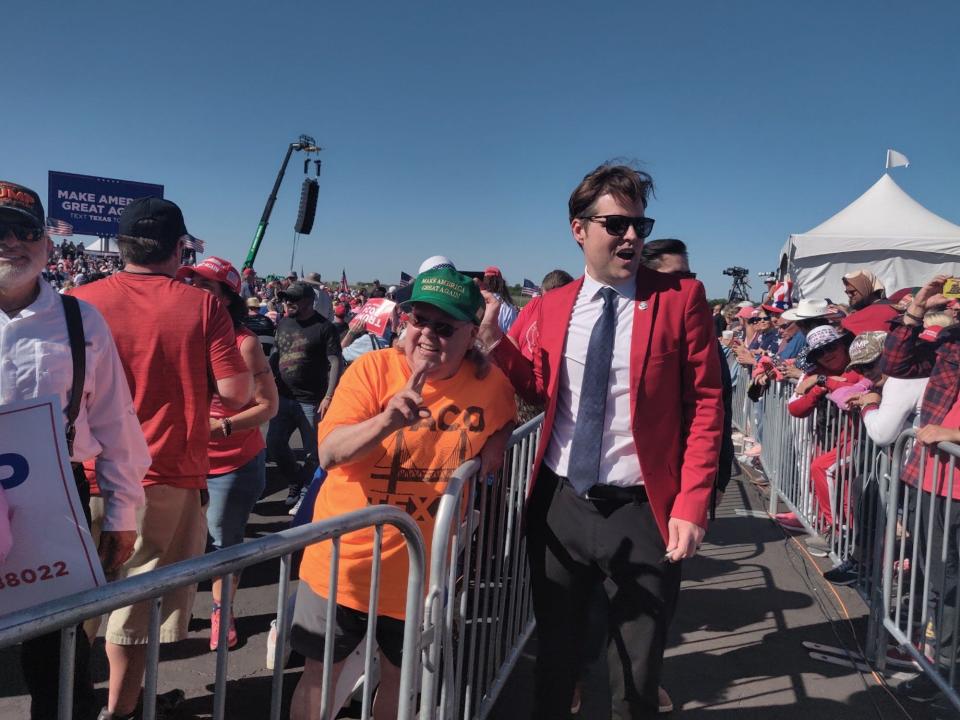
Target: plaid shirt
906,356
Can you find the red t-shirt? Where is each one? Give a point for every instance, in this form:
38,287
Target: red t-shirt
174,341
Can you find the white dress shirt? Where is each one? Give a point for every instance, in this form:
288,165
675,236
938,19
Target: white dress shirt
619,464
35,360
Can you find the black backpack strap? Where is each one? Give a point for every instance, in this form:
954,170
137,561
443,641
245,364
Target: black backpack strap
78,349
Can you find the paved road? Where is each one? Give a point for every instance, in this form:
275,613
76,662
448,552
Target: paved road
749,601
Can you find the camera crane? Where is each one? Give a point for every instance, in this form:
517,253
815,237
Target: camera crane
740,290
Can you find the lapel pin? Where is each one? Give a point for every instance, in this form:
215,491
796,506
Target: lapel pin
643,305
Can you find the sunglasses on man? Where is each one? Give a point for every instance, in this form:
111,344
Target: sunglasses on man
21,231
442,329
618,225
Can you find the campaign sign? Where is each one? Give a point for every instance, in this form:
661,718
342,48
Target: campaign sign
92,205
376,313
53,553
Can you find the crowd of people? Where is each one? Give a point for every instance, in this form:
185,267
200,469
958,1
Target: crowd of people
885,361
169,457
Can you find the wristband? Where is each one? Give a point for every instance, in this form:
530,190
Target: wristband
226,426
913,317
821,380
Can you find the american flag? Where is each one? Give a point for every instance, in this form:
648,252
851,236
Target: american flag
405,279
59,227
344,286
529,288
193,243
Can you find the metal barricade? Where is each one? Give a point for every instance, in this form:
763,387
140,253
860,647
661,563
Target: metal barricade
479,612
918,603
834,446
65,613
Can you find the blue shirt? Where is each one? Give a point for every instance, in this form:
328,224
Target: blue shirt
793,346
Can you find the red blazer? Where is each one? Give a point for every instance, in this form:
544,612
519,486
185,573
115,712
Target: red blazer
675,386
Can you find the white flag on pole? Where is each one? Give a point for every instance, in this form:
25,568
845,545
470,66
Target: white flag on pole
896,159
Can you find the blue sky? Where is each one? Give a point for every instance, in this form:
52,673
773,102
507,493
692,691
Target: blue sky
461,129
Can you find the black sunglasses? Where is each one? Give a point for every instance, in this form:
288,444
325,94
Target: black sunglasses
754,321
619,224
23,233
443,329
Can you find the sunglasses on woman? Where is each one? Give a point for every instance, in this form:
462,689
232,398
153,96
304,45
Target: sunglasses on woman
23,233
618,225
442,329
754,321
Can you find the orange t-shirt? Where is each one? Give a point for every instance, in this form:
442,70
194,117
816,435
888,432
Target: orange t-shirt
409,469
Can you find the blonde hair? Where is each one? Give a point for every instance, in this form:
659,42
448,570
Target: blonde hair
939,319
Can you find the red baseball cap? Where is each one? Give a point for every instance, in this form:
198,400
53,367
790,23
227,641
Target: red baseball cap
249,271
492,270
213,268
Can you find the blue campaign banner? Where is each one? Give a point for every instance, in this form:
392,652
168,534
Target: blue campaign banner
92,205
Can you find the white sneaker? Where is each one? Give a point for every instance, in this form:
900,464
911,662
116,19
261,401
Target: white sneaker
272,646
293,511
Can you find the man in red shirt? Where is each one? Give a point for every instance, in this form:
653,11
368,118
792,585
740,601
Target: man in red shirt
173,363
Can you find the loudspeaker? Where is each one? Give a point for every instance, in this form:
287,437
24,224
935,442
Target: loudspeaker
308,206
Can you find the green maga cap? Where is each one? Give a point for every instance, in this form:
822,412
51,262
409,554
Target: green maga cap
447,290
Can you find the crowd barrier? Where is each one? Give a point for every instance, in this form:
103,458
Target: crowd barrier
868,515
467,634
479,605
65,613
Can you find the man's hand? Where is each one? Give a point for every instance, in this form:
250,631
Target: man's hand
116,547
685,538
490,333
322,407
404,408
933,434
928,297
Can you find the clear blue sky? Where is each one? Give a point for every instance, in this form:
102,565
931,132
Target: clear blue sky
461,128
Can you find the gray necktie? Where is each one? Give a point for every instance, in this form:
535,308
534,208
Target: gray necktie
584,469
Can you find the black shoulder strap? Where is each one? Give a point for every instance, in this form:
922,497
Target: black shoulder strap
71,308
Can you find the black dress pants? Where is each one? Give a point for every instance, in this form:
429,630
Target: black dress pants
40,657
575,544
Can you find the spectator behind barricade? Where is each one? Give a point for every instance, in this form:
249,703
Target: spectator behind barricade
237,451
807,315
36,353
387,440
248,285
178,347
525,329
869,308
309,363
828,358
259,324
493,282
322,302
909,354
358,340
887,414
340,321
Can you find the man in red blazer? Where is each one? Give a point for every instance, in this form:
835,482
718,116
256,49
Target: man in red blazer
625,362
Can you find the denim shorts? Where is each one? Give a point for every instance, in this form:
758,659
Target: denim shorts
232,497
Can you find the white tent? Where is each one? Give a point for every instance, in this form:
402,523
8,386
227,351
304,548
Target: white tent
103,245
885,231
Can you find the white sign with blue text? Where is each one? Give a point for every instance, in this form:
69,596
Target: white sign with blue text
53,553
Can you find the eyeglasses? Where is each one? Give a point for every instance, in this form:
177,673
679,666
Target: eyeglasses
619,224
442,329
23,233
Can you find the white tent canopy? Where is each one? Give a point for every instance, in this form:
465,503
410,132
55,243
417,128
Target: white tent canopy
103,245
885,231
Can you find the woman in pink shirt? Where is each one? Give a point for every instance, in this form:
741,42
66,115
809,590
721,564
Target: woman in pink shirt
237,449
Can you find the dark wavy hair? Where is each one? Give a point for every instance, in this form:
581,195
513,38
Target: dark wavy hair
627,185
